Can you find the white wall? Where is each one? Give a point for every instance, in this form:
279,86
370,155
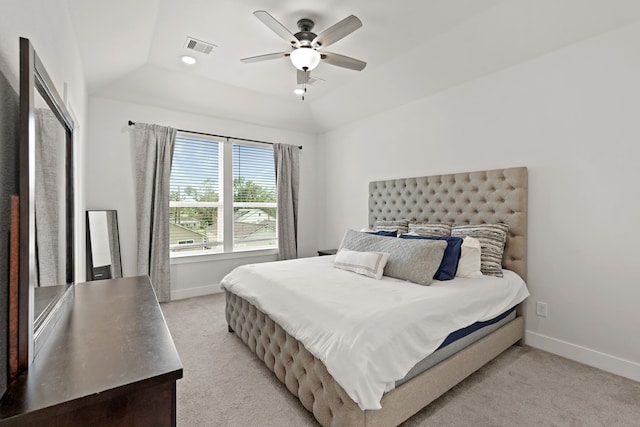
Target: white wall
110,183
47,25
570,116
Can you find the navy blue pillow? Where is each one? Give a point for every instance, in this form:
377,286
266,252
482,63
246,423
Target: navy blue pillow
449,264
393,233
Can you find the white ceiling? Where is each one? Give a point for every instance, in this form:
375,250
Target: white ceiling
131,51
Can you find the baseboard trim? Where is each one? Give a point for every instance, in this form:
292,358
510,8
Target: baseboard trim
606,362
195,292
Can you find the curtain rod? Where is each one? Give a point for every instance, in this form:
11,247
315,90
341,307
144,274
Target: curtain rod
131,123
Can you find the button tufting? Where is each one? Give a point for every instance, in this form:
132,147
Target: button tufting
419,199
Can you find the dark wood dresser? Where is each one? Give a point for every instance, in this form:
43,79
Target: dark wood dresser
109,361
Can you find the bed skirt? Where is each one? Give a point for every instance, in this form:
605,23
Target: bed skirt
307,378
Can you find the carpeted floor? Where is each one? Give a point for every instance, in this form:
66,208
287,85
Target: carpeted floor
225,384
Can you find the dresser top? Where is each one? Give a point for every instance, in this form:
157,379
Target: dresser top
114,335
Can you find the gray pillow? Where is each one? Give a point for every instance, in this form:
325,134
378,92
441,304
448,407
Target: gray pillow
413,260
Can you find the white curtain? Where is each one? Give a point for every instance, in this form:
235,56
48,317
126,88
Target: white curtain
154,150
287,163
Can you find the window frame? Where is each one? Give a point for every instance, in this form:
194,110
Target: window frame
225,210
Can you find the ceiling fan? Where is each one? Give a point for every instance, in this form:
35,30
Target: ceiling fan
306,46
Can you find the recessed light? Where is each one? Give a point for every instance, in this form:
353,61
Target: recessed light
189,60
298,91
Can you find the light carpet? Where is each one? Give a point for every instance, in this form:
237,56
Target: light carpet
225,384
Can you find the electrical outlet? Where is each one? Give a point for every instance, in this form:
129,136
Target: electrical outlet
542,309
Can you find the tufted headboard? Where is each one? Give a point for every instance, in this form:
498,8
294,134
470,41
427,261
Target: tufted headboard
483,197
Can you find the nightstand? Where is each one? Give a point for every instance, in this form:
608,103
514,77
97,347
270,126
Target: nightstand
327,252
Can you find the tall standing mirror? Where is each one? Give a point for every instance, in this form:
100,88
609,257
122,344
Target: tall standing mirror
46,192
103,245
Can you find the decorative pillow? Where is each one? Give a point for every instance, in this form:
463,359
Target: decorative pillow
370,264
430,229
392,233
413,260
469,264
449,264
492,239
401,226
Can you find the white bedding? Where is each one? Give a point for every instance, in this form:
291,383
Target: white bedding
369,333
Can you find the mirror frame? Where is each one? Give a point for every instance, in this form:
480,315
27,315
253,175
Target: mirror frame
33,332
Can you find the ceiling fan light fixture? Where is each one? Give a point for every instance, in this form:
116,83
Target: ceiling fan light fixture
305,58
299,91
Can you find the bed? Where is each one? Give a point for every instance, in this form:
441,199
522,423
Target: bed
483,197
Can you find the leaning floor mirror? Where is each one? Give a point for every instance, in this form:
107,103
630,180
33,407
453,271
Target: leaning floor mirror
103,245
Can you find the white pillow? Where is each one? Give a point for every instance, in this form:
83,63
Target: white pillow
469,264
370,264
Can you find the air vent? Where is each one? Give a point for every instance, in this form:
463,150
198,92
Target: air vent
199,45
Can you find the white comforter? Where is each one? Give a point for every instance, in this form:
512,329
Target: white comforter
369,333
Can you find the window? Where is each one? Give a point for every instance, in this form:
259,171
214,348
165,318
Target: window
202,219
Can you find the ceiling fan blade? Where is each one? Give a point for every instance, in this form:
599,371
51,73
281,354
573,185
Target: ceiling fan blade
303,77
265,57
276,27
343,61
337,31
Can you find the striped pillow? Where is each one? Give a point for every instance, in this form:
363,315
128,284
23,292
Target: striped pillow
492,239
430,229
401,226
